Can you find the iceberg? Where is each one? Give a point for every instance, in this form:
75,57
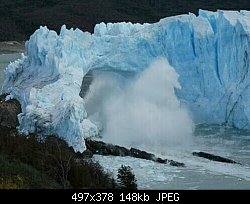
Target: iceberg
210,52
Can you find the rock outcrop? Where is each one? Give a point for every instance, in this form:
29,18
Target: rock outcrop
213,157
99,147
8,112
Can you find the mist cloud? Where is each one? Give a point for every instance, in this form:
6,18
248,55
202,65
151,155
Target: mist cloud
143,112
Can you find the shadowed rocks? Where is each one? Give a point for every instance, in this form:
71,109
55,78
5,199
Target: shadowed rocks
99,147
213,157
87,80
8,112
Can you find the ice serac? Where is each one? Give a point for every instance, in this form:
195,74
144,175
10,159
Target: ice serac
210,52
47,82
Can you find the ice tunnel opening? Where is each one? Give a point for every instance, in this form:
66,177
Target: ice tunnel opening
138,109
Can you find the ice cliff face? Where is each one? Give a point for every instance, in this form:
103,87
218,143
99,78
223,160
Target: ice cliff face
210,52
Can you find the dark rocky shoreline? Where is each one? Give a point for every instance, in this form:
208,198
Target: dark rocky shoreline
213,157
101,148
8,112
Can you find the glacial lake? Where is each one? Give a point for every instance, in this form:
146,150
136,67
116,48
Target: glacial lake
5,59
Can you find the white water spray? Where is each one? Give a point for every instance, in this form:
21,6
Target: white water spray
145,113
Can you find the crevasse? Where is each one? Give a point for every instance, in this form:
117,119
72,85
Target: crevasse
210,52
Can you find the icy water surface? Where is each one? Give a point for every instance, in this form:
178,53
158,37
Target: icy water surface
199,173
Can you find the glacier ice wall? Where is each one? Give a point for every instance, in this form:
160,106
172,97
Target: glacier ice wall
210,52
47,82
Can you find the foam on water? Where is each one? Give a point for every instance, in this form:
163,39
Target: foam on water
199,173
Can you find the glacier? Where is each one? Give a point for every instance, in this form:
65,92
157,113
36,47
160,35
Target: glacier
210,52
